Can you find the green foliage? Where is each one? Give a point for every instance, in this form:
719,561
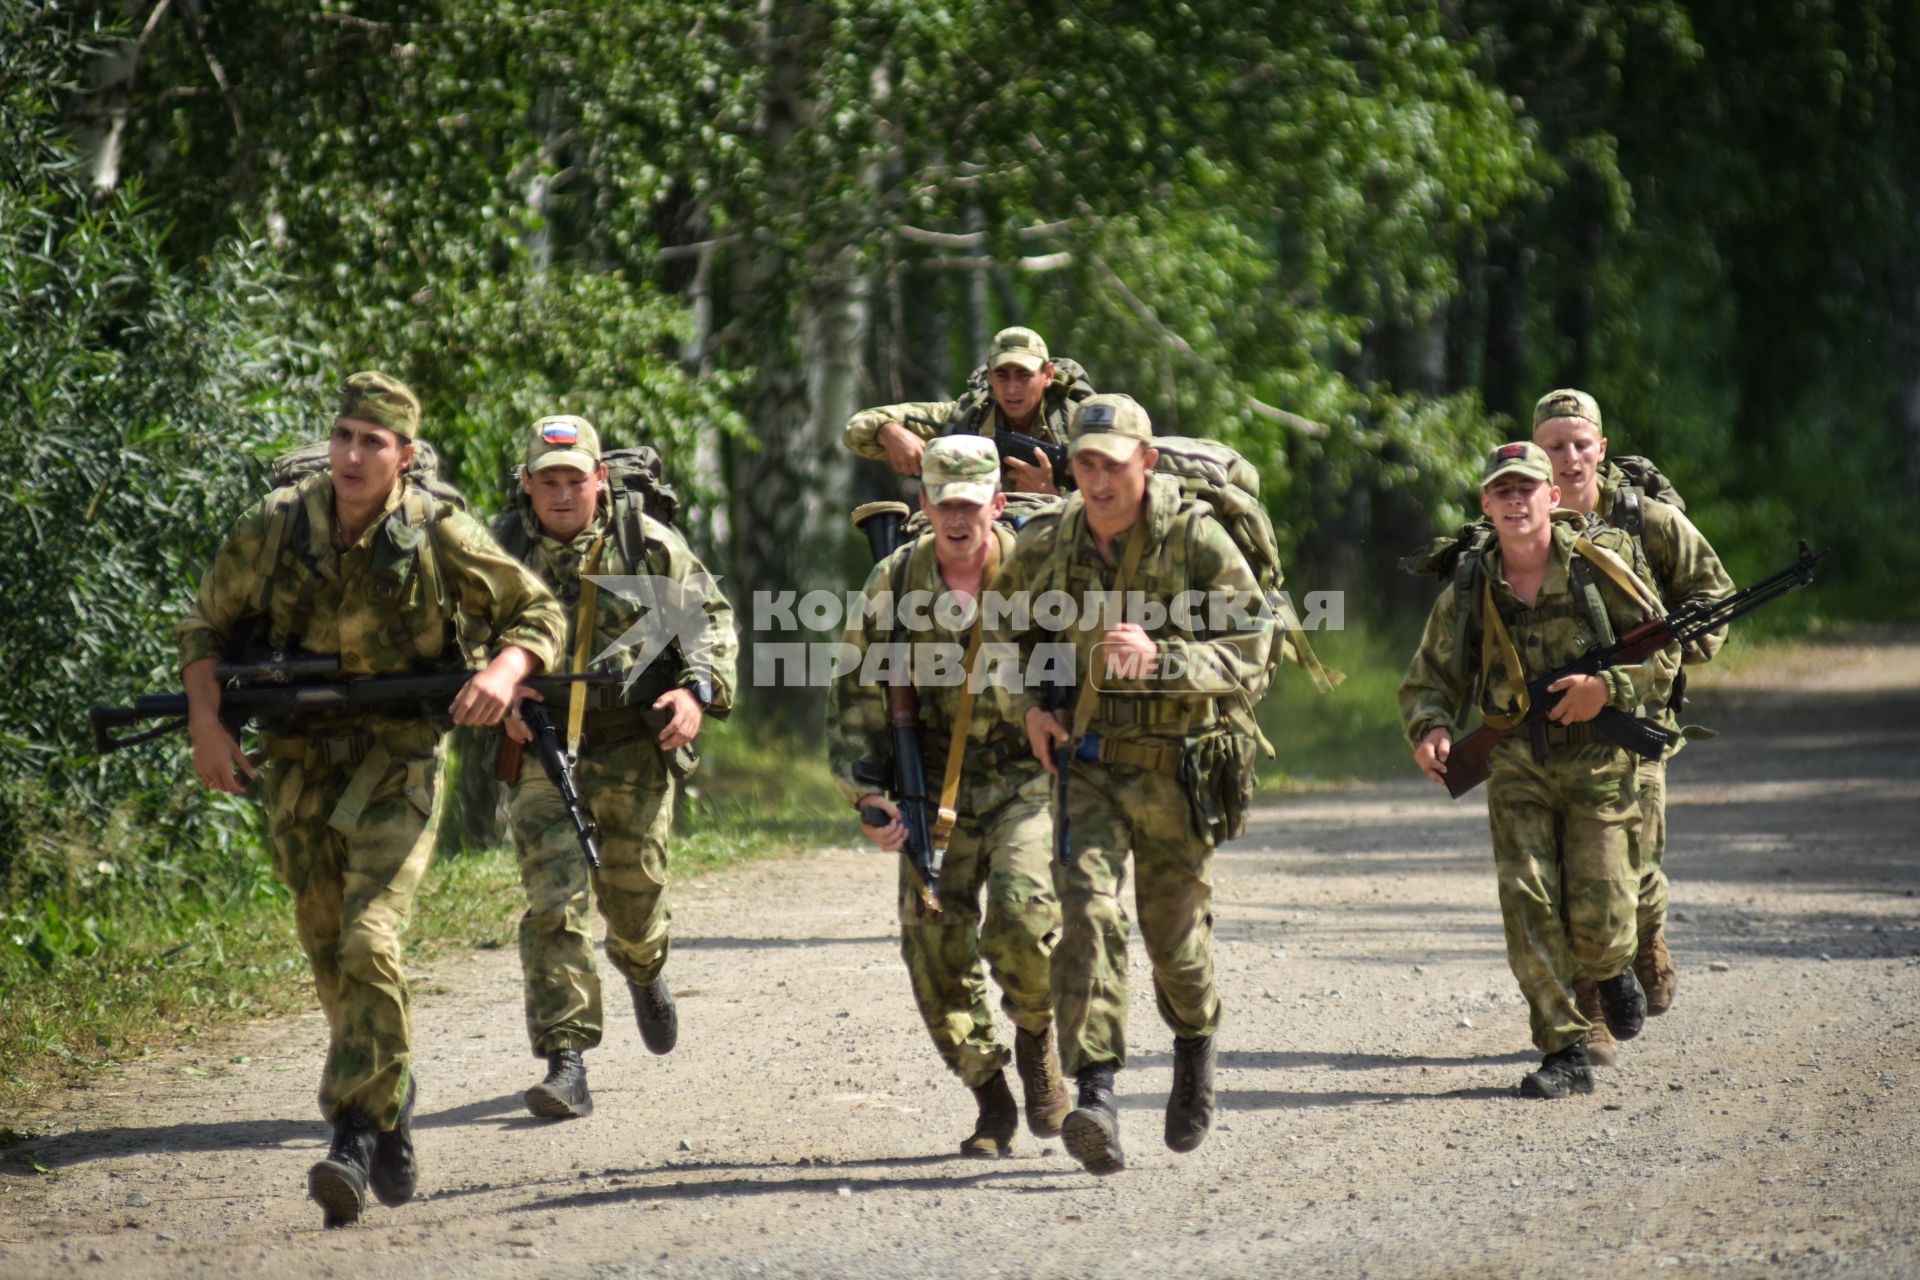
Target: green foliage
138,390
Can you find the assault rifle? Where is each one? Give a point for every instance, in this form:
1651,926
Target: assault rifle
553,758
1467,761
280,690
1009,443
904,778
1058,698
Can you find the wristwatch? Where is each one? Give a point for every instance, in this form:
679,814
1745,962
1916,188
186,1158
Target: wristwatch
702,691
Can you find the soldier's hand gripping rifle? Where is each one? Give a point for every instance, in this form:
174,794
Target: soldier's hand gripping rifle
1467,763
904,779
1009,443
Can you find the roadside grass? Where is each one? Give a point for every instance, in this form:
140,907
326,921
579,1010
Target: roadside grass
1351,734
119,975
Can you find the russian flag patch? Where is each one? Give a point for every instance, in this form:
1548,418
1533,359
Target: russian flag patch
560,431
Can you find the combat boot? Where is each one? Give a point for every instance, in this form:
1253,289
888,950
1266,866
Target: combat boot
338,1184
1091,1131
1602,1048
999,1120
563,1094
1190,1101
394,1174
1562,1072
1623,1005
1038,1060
654,1010
1654,967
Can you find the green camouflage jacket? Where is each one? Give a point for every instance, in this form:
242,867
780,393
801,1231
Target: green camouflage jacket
998,761
1553,631
1201,664
386,605
699,623
863,429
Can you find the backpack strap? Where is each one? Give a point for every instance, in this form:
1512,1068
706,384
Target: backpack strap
1629,513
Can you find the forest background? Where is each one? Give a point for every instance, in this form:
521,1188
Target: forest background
1354,239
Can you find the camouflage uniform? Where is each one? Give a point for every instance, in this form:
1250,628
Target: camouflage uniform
1131,796
1686,570
1564,831
623,777
976,411
1002,841
350,799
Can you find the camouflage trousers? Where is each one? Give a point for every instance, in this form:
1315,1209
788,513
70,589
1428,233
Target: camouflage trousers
1564,837
352,843
1651,780
1113,809
1005,851
629,790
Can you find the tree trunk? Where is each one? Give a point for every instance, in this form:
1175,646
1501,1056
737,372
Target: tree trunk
1505,361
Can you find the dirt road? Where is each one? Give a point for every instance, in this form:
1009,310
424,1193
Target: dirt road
1369,1127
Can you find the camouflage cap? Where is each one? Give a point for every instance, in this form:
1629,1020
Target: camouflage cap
1567,403
383,401
563,440
1521,458
1112,424
960,468
1018,346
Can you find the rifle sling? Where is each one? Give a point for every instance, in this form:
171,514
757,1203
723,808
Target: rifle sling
583,645
947,815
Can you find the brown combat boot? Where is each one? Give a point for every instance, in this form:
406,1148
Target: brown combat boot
1602,1049
1654,967
1038,1060
999,1120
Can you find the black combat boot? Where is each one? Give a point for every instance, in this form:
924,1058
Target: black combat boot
654,1010
563,1094
1561,1072
1623,1004
1190,1102
338,1184
394,1175
1091,1132
999,1120
1037,1059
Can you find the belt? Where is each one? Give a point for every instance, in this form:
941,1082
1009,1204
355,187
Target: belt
1154,756
1187,717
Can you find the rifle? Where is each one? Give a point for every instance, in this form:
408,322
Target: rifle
1467,761
1009,443
1058,697
553,758
279,688
904,780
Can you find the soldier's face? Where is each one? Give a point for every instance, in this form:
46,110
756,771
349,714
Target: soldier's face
1018,391
961,529
1519,506
365,461
565,498
1113,488
1577,449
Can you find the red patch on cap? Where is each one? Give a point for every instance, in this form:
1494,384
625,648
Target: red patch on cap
560,433
1508,452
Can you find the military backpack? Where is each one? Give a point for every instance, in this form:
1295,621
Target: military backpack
1645,482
